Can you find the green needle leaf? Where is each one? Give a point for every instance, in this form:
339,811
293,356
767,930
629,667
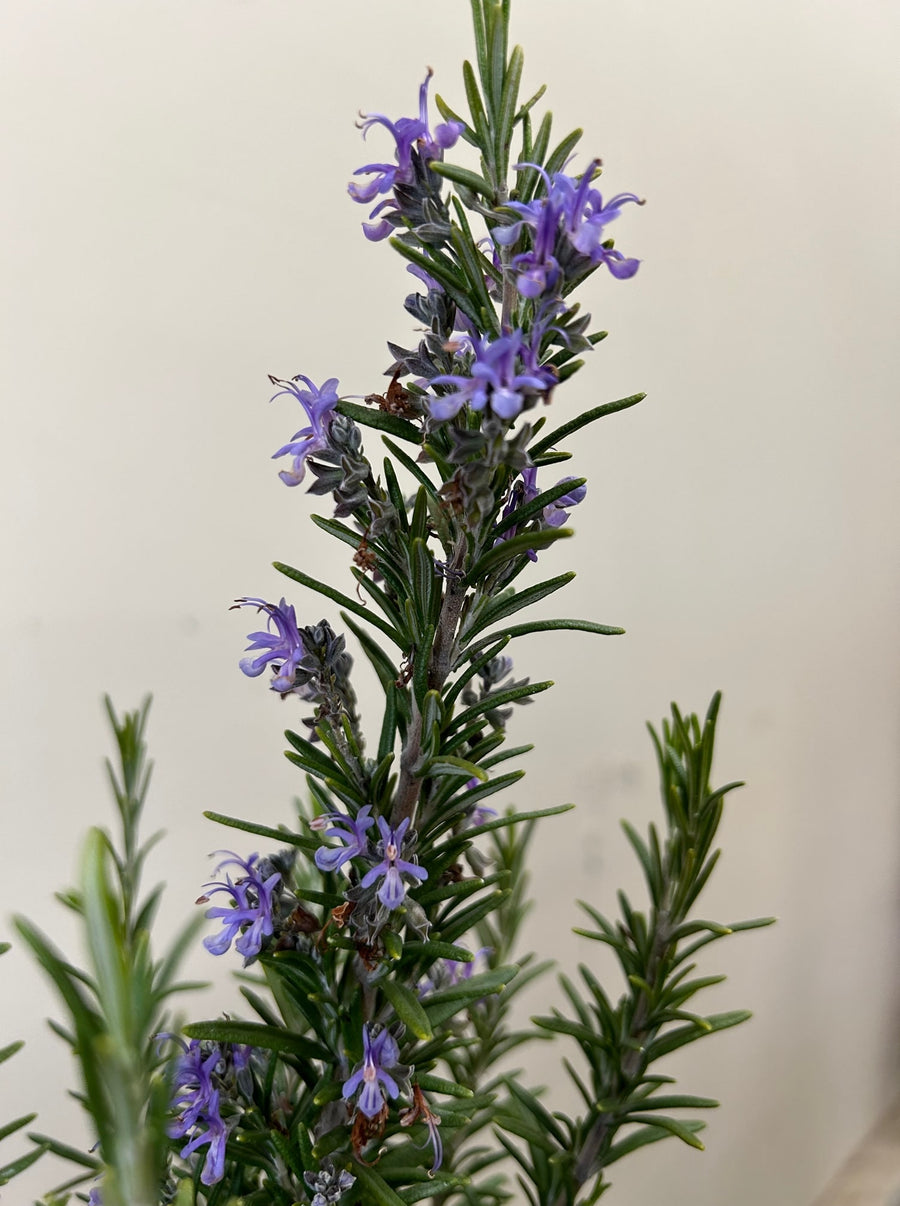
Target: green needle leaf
408,1008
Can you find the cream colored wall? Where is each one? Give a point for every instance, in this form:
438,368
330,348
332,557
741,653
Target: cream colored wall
175,227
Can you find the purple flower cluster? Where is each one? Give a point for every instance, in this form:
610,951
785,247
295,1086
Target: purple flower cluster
504,374
379,1054
410,135
281,645
196,1097
247,921
319,404
390,867
568,225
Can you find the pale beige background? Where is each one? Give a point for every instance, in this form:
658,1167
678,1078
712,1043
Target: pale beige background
175,227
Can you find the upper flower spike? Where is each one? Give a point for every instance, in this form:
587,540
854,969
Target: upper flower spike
409,133
319,405
568,225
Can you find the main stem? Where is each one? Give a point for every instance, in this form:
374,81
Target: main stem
440,663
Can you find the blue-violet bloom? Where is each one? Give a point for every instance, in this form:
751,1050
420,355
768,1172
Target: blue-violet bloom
408,132
215,1135
577,213
495,378
392,866
555,513
458,971
198,1102
192,1085
251,907
350,830
281,644
379,1054
480,814
319,405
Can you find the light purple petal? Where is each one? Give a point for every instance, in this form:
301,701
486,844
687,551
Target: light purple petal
353,1082
393,891
412,869
371,1100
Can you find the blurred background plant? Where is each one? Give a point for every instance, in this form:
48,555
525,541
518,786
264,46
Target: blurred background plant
117,1006
18,1165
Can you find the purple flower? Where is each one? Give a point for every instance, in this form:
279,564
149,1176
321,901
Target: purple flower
192,1084
409,133
379,1054
458,971
241,1054
250,912
538,269
319,405
555,513
94,1198
198,1102
282,646
350,830
480,814
425,277
215,1135
447,973
522,493
495,378
570,218
392,866
586,216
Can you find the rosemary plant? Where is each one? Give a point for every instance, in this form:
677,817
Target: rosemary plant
379,935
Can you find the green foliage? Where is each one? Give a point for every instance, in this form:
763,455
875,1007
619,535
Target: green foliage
119,1004
13,1167
620,1043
